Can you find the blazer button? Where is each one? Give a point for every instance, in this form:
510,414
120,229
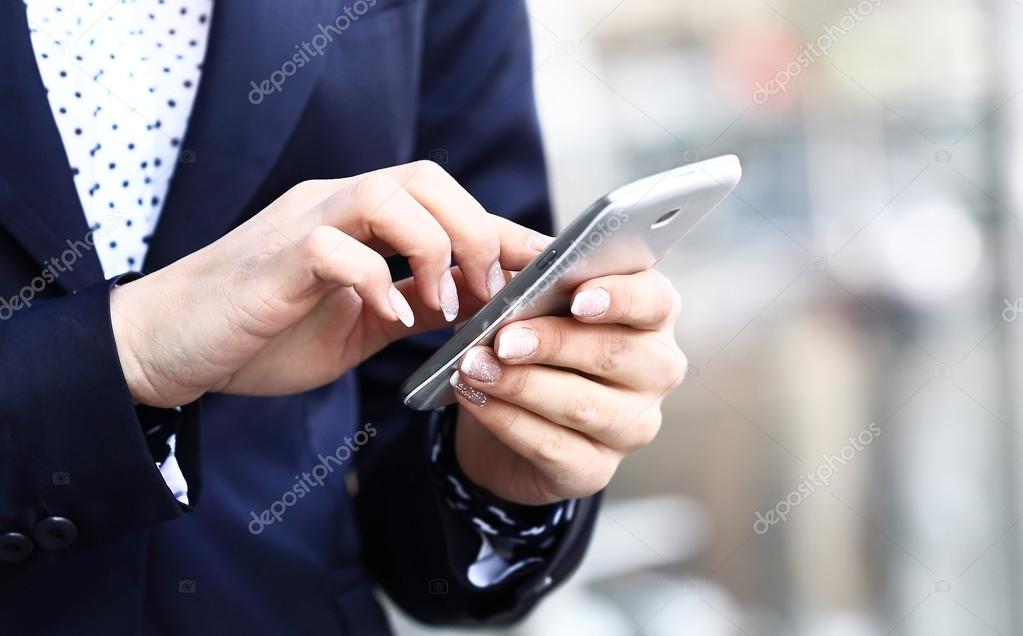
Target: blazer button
543,584
55,533
14,547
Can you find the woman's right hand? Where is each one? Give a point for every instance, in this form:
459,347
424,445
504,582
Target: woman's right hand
300,293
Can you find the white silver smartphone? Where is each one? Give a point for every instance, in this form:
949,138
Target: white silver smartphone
624,232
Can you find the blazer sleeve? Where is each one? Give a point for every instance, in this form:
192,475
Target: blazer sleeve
477,118
72,446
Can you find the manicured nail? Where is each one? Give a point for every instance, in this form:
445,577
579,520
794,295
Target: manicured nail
495,279
520,342
538,242
591,303
478,364
474,396
448,296
401,307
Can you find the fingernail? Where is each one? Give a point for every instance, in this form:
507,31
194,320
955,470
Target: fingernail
448,296
478,364
400,307
520,342
474,396
537,242
591,303
495,279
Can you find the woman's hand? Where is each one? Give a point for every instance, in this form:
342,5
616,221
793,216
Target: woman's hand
300,293
564,400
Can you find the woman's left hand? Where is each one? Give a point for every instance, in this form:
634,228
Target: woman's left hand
565,399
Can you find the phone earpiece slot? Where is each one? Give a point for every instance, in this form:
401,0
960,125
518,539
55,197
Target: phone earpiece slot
665,218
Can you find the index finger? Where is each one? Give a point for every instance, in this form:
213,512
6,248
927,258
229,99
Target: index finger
482,243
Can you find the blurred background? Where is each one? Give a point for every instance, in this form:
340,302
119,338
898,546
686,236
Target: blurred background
843,458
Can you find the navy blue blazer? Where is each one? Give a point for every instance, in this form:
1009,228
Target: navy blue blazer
91,539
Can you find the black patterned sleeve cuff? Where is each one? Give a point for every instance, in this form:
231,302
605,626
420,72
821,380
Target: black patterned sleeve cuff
518,533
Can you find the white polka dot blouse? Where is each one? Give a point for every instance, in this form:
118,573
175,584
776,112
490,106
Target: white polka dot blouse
121,77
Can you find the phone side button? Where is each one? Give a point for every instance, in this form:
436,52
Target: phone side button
546,260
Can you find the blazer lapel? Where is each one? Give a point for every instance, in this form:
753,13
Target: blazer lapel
39,206
232,143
